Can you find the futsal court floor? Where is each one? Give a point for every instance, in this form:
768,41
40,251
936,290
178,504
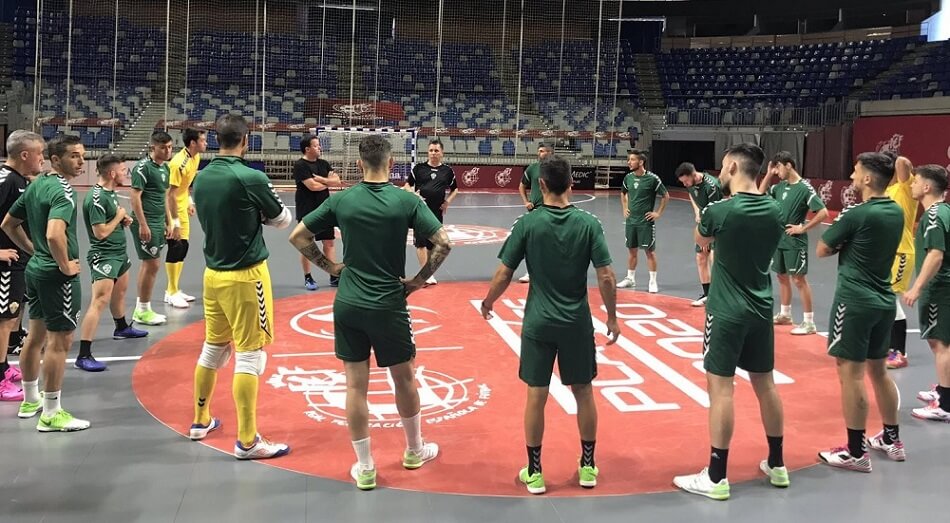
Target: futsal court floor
134,464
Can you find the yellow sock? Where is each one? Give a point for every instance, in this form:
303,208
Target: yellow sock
204,388
174,275
244,388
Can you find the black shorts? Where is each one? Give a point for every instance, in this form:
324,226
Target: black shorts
424,243
12,293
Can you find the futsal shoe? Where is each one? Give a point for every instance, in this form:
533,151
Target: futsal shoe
412,459
841,458
128,333
431,281
365,479
261,449
781,319
932,412
778,476
187,297
524,279
587,476
806,328
176,300
627,283
896,360
89,364
702,485
199,432
9,391
12,374
653,288
148,317
929,396
309,284
701,301
534,482
894,451
29,409
61,421
334,281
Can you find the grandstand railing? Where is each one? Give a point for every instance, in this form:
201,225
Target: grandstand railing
783,117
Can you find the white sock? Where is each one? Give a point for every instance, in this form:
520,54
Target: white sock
632,274
142,305
809,317
413,428
363,454
652,276
786,310
31,391
900,310
51,403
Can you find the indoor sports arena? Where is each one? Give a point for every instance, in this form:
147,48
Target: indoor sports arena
346,260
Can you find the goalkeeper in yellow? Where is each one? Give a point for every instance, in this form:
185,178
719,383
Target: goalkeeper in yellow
182,171
903,269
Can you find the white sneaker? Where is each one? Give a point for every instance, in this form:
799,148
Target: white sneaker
929,396
932,412
414,459
700,301
175,300
702,485
627,283
186,297
200,432
431,281
524,279
653,287
261,449
806,328
894,451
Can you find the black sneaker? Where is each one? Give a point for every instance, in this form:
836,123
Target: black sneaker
309,284
334,281
700,301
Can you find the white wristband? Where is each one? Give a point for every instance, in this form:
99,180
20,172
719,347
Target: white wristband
176,223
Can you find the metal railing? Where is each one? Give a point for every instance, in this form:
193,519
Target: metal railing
775,117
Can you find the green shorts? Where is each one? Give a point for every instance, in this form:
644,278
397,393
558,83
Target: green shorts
387,332
575,354
747,344
641,236
789,261
934,321
712,247
152,249
859,333
54,299
108,267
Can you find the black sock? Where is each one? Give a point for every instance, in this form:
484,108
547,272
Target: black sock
717,464
891,434
899,336
3,368
775,451
856,443
705,289
85,348
120,323
534,459
587,453
944,401
307,277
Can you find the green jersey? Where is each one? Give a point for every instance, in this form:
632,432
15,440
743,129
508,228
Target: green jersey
152,180
795,200
232,201
706,191
532,180
374,219
933,232
50,197
641,194
100,206
558,245
747,229
867,236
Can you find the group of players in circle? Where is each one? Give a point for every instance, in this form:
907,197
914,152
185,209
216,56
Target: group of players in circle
756,229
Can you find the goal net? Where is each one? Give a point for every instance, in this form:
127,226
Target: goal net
340,146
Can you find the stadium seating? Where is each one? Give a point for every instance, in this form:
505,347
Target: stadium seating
927,76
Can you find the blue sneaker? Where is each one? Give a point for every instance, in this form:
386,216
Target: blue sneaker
89,364
334,281
127,333
310,284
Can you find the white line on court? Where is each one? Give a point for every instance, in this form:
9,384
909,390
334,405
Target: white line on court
105,359
909,331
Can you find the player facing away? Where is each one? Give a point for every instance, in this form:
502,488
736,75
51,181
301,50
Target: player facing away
182,170
430,180
865,237
108,259
557,322
370,310
703,189
52,281
901,272
640,211
529,182
739,333
24,162
152,221
932,287
232,200
314,176
795,197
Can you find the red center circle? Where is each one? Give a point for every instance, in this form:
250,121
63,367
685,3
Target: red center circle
650,395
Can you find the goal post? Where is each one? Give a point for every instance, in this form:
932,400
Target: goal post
340,147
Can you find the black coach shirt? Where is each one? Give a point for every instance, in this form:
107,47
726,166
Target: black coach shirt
12,186
305,199
431,182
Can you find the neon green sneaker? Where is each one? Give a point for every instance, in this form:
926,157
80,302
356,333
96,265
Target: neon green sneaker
415,459
534,482
28,409
365,479
778,476
148,317
588,476
61,421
